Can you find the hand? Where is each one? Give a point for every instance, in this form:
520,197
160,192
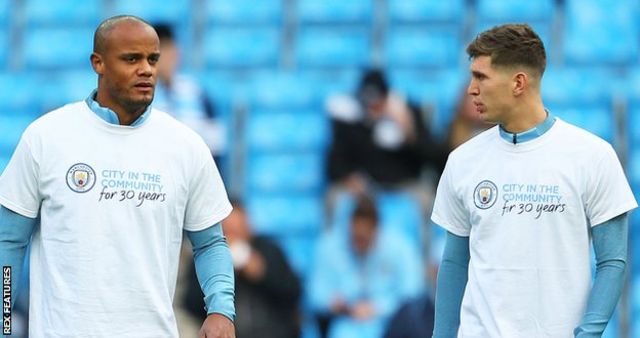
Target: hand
363,311
399,111
356,184
217,326
255,268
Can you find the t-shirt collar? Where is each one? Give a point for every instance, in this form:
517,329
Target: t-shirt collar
530,134
109,115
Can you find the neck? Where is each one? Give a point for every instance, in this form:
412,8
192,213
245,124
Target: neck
125,116
524,118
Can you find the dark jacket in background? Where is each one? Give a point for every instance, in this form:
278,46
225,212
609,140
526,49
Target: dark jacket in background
266,309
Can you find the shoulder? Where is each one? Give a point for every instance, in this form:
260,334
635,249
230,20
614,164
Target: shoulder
475,145
56,119
174,128
579,140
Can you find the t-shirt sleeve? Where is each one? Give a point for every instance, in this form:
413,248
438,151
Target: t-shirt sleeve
448,209
19,188
208,203
607,193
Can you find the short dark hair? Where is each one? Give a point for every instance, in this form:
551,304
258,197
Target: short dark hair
373,86
365,208
510,45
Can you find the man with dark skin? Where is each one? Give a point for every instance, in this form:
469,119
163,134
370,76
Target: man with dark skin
104,260
125,56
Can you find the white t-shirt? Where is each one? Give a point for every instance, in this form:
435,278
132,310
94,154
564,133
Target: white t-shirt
527,209
113,202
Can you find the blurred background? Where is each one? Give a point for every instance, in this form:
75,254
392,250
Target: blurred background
269,67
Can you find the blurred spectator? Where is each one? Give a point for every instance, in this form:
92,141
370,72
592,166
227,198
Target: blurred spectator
379,138
182,95
358,282
267,289
466,122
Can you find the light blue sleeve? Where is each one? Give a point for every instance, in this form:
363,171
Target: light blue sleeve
214,269
452,280
323,283
15,232
610,246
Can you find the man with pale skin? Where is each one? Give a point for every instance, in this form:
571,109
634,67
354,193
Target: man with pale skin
115,184
523,203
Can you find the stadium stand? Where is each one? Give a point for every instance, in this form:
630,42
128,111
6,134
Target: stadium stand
269,64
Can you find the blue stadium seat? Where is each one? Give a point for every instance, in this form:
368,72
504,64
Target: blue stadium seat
633,126
11,129
596,120
17,93
276,90
578,87
634,170
333,81
224,87
601,32
66,87
241,47
243,12
57,48
289,215
288,131
333,47
582,96
4,160
177,12
514,11
422,47
6,11
64,13
4,52
335,11
427,11
285,173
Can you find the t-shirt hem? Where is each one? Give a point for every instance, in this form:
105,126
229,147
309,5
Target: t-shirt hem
616,212
17,209
452,229
214,219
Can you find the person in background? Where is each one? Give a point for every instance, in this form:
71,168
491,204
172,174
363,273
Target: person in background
379,139
522,204
267,289
183,97
466,123
358,281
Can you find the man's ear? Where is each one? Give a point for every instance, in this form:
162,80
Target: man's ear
520,83
97,63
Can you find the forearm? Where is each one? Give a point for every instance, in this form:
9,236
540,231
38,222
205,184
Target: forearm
610,245
452,280
214,270
15,232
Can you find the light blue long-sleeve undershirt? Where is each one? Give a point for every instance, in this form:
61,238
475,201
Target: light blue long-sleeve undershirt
610,246
210,253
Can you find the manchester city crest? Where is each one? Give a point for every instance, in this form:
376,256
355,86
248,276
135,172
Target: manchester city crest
485,195
81,177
